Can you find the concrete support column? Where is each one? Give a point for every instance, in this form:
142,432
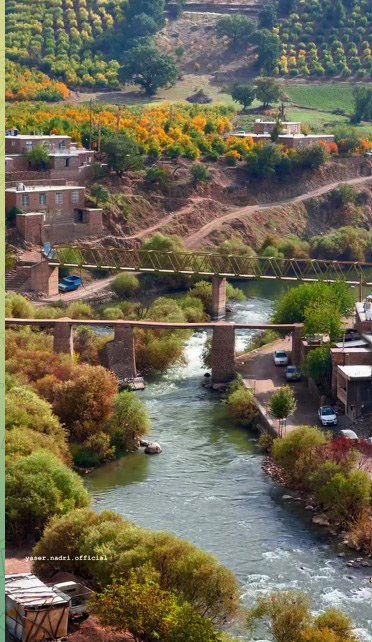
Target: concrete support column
223,353
119,354
63,338
218,298
44,278
297,335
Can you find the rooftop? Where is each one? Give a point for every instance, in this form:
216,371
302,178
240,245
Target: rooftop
273,122
28,590
43,188
356,372
36,136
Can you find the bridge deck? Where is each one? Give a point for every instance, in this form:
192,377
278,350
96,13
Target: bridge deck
150,324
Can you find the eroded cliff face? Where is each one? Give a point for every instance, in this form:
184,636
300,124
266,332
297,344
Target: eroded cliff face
233,205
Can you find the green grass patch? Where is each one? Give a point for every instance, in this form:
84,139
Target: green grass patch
325,96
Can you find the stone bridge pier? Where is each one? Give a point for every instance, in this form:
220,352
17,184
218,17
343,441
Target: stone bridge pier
119,355
223,353
218,298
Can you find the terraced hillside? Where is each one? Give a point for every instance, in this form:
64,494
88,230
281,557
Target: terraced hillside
58,37
326,38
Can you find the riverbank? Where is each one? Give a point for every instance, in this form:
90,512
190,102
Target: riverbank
319,518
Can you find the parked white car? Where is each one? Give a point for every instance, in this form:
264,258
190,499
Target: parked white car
327,416
349,434
281,358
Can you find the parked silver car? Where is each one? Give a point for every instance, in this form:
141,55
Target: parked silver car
281,358
327,416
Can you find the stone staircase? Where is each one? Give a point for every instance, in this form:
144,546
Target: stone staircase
16,280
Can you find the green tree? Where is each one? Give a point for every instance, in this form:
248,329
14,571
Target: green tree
125,285
268,50
152,8
39,487
122,154
318,365
99,193
38,157
282,403
238,29
322,318
129,421
244,94
291,306
268,16
241,406
148,67
362,95
267,91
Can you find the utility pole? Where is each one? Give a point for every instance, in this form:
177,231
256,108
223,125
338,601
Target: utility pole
118,115
90,124
99,134
361,288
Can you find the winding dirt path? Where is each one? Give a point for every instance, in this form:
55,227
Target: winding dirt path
194,239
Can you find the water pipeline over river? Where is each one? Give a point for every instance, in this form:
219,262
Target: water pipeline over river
208,488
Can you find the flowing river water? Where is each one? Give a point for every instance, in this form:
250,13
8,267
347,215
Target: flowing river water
208,488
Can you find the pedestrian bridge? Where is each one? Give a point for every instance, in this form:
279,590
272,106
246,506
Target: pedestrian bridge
120,355
212,264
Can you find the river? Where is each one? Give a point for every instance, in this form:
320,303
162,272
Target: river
207,487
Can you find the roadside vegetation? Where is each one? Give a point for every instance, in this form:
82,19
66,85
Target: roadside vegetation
326,472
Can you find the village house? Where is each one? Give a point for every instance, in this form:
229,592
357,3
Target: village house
51,212
290,135
66,159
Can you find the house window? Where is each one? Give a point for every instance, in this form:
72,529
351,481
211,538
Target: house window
62,144
75,197
25,199
67,162
59,198
28,145
42,199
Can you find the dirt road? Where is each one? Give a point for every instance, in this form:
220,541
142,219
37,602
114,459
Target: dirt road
194,239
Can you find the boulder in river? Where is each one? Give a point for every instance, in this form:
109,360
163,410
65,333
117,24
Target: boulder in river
153,448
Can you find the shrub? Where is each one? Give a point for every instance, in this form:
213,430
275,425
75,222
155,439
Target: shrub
297,453
26,413
141,607
344,496
200,173
342,195
79,310
241,406
129,421
17,307
85,401
38,157
360,534
38,487
125,285
311,157
191,574
288,617
95,450
112,314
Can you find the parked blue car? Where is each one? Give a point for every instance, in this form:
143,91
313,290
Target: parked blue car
70,283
